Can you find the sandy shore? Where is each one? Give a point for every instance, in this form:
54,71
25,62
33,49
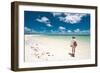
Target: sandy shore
43,48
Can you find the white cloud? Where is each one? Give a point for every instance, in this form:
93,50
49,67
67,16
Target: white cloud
85,31
49,25
77,30
81,31
54,31
44,20
27,29
62,28
71,17
61,18
69,31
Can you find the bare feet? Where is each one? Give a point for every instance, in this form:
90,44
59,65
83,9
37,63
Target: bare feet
72,55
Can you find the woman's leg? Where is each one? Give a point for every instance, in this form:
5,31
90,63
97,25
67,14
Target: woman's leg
73,51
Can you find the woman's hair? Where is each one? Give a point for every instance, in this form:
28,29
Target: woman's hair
73,37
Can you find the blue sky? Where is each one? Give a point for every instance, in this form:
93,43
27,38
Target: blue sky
56,22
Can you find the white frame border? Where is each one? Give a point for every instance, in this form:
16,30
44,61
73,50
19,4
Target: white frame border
22,8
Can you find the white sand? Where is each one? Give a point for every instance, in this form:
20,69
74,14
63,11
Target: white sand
37,48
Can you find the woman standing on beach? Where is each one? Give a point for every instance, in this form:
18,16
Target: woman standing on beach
73,46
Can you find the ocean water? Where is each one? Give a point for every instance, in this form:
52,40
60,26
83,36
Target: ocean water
82,38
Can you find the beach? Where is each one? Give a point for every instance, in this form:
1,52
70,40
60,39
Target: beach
40,48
